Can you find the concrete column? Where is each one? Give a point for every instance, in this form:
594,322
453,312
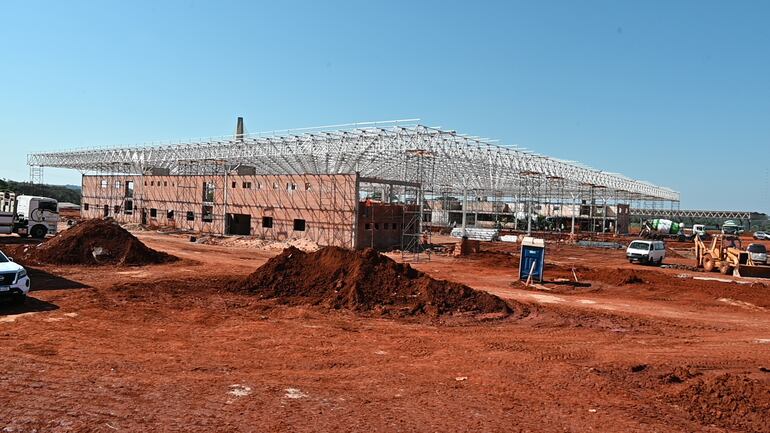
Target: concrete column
574,211
465,208
604,215
591,205
224,199
529,217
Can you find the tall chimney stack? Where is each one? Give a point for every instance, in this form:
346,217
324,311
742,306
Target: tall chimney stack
239,130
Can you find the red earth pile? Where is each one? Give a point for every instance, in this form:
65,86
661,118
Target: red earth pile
365,281
734,402
96,242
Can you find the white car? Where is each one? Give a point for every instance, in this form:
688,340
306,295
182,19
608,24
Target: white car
643,251
761,235
758,253
14,281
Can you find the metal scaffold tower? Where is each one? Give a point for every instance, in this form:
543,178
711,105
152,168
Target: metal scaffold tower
35,174
418,171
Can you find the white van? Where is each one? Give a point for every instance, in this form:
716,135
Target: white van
643,251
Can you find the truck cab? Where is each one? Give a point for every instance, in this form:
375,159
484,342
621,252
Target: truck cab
731,227
36,216
698,230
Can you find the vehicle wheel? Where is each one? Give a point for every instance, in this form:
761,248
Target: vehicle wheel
660,261
725,269
39,232
708,263
630,260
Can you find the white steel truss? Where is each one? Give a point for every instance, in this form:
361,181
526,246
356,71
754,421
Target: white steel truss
375,150
687,213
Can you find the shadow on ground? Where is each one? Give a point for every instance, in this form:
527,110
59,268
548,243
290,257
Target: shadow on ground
31,305
42,280
16,240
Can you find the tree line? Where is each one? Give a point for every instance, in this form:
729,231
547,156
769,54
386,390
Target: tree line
59,192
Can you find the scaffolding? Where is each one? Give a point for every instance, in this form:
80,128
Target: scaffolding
418,170
36,174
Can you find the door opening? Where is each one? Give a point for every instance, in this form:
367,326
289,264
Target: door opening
238,224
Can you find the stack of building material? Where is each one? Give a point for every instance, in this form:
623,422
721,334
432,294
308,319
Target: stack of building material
466,246
477,233
598,244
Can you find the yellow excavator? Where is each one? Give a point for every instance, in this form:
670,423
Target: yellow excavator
725,254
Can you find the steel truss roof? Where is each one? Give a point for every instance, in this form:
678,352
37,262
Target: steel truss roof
443,160
686,213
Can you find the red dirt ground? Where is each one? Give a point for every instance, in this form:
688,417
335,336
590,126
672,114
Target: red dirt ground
173,348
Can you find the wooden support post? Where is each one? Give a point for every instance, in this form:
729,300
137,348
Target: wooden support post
531,271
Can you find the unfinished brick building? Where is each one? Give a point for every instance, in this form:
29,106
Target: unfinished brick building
322,208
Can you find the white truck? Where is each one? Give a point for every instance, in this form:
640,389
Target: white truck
660,228
28,215
698,230
731,227
666,229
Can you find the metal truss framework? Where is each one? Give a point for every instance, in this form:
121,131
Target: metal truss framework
375,150
682,213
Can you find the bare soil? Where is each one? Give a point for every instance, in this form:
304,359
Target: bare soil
176,347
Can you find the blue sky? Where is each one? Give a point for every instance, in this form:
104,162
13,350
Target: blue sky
664,91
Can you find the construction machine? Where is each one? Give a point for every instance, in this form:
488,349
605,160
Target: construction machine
724,253
659,228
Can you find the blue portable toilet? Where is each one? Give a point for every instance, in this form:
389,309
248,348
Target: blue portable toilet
532,258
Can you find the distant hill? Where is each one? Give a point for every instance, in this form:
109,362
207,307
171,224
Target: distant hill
69,193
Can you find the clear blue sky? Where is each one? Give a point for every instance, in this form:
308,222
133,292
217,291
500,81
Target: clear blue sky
664,91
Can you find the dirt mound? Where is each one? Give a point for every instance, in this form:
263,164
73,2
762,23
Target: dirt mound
96,242
364,281
679,375
615,277
730,401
